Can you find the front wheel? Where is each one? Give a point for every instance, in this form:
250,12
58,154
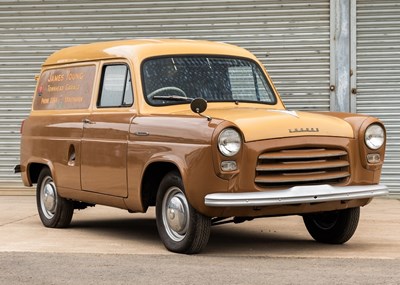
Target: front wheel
181,228
334,227
54,211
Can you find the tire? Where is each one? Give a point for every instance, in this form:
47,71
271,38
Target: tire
54,211
335,227
181,228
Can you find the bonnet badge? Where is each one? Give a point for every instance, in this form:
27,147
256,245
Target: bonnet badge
304,130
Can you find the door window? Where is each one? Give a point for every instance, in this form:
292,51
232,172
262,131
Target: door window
116,88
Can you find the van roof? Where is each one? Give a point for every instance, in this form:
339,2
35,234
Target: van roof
140,49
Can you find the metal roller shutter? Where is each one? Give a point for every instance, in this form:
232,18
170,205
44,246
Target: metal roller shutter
291,37
378,75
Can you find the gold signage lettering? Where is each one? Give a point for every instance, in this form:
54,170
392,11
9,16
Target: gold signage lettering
65,88
72,87
56,78
51,88
73,99
75,76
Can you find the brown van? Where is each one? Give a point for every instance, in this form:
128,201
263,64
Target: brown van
196,129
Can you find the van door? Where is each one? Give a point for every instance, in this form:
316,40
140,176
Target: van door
105,134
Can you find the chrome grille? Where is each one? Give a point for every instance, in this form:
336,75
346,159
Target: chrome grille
290,167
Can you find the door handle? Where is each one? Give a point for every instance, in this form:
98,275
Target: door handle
87,121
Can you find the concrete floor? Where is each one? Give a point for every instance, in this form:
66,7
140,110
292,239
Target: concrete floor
105,230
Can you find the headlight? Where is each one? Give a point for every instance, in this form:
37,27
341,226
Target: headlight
229,142
374,136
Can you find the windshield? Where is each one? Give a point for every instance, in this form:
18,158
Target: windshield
176,80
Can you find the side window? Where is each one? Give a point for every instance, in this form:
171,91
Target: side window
116,87
67,88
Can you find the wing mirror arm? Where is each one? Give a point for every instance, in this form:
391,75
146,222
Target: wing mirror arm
198,106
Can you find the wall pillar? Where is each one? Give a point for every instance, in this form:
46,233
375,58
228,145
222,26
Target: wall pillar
340,55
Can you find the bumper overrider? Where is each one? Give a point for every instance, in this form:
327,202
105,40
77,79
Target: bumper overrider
295,195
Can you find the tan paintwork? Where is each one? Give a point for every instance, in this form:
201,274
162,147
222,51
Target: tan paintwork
121,155
285,123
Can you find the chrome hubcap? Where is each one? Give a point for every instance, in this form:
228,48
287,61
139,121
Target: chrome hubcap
175,213
48,197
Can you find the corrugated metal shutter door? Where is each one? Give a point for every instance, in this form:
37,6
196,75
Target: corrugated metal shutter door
290,37
378,75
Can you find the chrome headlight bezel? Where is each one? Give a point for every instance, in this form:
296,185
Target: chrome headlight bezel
374,136
229,142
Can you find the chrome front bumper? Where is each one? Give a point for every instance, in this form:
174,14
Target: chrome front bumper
295,195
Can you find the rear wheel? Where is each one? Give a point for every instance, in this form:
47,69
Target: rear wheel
334,227
54,211
181,228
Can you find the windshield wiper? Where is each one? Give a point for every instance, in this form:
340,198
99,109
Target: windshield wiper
173,98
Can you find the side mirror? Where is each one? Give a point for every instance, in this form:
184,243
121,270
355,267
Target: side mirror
198,105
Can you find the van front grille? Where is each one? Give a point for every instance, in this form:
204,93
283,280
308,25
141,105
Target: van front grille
304,166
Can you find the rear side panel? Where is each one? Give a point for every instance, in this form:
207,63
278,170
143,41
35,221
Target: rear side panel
54,140
52,134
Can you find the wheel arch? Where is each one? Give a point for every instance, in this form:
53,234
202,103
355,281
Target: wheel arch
35,167
152,177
